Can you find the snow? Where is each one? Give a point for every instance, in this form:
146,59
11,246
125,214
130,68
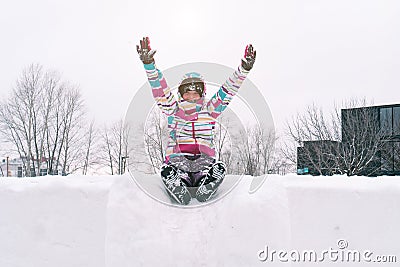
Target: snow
111,221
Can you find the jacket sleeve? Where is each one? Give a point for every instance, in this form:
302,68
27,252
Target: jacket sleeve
161,91
226,92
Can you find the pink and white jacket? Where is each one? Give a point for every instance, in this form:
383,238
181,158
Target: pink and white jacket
192,125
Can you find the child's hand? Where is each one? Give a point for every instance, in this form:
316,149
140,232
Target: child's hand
145,53
249,58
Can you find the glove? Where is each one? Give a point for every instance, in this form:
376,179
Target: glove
249,58
145,53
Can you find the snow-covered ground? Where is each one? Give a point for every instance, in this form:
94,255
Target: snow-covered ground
110,221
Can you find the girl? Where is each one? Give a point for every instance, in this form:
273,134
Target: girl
190,155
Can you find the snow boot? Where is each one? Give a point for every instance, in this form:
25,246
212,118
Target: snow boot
209,184
171,178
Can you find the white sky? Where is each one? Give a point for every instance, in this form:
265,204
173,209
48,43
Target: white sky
307,51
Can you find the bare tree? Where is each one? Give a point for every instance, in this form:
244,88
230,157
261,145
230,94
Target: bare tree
347,142
267,142
288,151
155,138
71,131
54,131
282,156
115,148
31,119
90,139
223,143
361,140
21,120
279,165
314,140
255,148
107,149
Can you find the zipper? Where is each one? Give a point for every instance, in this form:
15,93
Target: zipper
194,136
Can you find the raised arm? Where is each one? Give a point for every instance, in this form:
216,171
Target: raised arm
228,90
159,87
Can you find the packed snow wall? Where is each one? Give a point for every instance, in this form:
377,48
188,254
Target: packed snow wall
110,221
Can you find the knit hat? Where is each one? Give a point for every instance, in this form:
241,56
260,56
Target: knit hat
192,81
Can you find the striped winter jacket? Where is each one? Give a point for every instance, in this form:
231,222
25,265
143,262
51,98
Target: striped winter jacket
192,125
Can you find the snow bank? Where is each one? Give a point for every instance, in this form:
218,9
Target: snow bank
110,221
53,221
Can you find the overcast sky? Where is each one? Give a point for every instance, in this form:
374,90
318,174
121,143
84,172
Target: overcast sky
307,51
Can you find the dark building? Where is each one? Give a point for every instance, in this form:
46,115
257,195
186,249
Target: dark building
390,151
370,145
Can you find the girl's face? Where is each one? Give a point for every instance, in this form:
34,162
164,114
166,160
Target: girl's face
191,96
